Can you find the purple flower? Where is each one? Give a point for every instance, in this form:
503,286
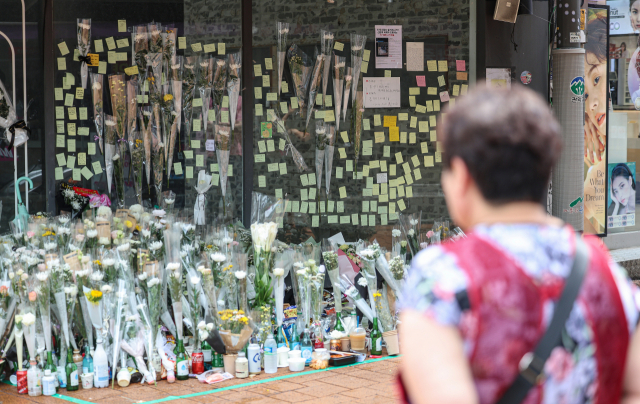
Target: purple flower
99,200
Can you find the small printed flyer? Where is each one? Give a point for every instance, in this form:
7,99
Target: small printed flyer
388,46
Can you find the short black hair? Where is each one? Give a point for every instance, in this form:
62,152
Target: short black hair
509,140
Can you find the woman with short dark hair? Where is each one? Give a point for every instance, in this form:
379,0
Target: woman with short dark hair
474,310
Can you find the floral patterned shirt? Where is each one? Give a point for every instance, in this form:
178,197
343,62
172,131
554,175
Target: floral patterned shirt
435,285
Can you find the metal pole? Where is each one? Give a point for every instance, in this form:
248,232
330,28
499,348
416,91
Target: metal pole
15,154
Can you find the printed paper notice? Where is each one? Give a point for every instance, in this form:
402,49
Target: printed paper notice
388,46
381,92
415,56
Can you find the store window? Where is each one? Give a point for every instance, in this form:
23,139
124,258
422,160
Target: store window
344,168
624,118
157,107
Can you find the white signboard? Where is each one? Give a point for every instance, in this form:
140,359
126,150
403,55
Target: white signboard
381,92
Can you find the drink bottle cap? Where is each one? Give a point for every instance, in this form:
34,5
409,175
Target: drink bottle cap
241,354
47,372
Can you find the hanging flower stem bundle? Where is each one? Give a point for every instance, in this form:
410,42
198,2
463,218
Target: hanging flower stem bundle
263,236
282,30
84,43
234,62
98,107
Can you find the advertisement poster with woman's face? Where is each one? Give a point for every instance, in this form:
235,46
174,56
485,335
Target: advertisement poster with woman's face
596,99
621,201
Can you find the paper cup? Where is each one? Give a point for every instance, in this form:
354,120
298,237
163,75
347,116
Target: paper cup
283,357
345,344
87,380
391,340
230,363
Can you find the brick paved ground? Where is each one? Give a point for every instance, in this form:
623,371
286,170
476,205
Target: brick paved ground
368,382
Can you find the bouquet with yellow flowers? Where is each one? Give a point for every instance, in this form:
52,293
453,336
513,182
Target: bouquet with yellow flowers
234,330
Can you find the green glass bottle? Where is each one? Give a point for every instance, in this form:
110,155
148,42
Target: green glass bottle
50,366
72,373
281,338
218,360
207,352
339,326
182,363
376,339
294,344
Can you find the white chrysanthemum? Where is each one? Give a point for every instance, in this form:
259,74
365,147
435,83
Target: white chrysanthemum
194,280
298,265
158,213
11,275
362,281
172,266
124,247
65,230
278,271
413,222
108,262
395,233
411,232
92,233
176,66
97,276
28,319
218,257
42,276
153,282
106,289
367,253
155,246
143,276
63,219
240,274
96,86
24,277
146,233
302,272
104,240
116,157
202,325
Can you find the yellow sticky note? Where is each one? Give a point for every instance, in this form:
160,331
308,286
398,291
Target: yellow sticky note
63,48
345,136
338,46
196,47
83,113
208,48
412,100
268,64
59,174
71,145
343,192
197,125
432,65
441,81
423,126
130,71
376,120
294,102
259,110
102,67
99,47
82,159
189,172
199,160
399,158
414,122
366,54
456,90
177,168
68,100
389,121
222,48
387,73
111,43
379,137
442,66
91,148
266,81
394,134
62,64
122,25
424,147
122,43
97,168
421,109
79,93
342,153
182,42
365,67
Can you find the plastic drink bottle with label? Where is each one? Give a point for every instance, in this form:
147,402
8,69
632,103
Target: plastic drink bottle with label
50,366
270,355
295,338
48,383
87,362
100,366
34,382
242,366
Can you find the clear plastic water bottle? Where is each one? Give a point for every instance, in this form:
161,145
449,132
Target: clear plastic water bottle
306,347
101,367
270,355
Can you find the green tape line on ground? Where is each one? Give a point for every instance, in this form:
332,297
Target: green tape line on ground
237,386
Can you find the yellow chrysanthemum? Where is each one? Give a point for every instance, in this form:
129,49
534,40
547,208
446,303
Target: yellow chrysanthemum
168,97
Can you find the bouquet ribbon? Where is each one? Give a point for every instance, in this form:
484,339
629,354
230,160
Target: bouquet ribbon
21,124
85,59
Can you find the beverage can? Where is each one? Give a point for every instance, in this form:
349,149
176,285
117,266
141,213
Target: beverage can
23,385
197,363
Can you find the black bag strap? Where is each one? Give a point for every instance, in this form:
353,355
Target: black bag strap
532,363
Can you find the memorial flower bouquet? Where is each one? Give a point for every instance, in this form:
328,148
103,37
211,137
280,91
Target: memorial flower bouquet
328,157
369,273
330,257
383,267
396,265
263,235
282,30
174,275
132,104
84,43
118,105
357,109
204,83
352,293
98,107
316,78
154,30
60,275
234,62
410,224
110,148
140,40
171,116
168,49
8,118
209,282
223,149
189,75
358,43
321,145
326,41
7,304
219,85
234,330
300,66
383,312
82,282
43,293
338,85
298,160
144,115
136,148
348,78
